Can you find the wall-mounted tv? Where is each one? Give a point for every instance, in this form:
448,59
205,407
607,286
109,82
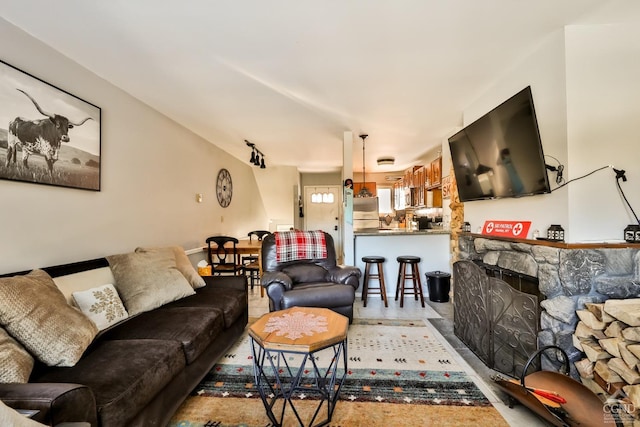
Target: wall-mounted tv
500,154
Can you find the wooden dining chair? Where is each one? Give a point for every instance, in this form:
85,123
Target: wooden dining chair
251,263
223,256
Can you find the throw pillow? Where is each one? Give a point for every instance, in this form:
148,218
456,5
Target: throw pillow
36,313
102,305
11,417
148,280
184,266
15,363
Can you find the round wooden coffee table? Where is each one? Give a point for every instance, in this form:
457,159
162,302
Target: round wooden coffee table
285,364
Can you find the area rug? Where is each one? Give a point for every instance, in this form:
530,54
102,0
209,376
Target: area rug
399,373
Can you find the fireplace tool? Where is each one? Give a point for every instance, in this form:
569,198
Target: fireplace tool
555,396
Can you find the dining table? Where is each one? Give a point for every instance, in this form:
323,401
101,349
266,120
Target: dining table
247,247
244,247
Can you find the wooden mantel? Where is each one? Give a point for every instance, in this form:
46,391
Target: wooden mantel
561,245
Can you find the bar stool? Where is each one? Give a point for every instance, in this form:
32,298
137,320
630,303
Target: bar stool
414,274
381,289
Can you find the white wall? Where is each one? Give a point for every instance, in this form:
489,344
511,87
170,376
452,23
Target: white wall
152,169
586,93
278,187
543,70
603,97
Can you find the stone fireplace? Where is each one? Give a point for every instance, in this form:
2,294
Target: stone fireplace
507,324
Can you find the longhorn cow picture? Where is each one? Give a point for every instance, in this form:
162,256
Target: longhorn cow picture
51,136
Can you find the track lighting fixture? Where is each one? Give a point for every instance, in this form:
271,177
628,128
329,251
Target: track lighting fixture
257,158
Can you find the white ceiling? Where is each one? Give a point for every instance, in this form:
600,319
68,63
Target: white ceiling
292,76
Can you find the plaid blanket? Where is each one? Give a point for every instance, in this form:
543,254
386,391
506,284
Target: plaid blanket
296,245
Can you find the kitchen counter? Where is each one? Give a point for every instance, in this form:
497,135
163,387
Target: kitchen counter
431,245
399,232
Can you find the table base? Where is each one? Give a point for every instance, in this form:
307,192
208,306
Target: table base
279,382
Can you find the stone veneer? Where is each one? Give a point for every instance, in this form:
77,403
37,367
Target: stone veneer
568,278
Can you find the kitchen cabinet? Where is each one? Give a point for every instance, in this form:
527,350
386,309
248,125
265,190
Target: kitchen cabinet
419,186
435,177
433,198
371,186
408,178
399,200
411,182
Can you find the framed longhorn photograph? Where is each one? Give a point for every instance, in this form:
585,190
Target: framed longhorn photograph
47,135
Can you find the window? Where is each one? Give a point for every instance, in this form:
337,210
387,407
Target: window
384,201
322,197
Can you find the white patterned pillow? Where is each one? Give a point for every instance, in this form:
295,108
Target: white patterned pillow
102,305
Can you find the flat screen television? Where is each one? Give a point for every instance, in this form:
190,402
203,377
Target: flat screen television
500,154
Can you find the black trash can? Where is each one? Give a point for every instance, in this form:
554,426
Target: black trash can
439,284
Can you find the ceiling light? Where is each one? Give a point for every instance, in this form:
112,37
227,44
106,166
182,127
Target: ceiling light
386,160
364,191
255,155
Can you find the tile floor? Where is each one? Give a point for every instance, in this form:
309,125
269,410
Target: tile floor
441,316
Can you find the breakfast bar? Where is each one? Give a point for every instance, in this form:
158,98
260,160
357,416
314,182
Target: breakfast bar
432,246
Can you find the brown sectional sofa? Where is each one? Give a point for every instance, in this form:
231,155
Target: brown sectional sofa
137,372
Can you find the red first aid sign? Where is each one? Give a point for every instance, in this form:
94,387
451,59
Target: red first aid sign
518,229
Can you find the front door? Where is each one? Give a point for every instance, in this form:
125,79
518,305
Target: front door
324,213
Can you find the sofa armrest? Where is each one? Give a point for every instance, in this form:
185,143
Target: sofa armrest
227,282
56,402
347,275
276,277
276,283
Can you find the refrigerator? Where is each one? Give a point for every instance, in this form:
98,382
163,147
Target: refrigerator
365,213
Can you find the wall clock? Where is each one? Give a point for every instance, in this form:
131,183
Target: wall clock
224,188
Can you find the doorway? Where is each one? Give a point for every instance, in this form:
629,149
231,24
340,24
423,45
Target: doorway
323,212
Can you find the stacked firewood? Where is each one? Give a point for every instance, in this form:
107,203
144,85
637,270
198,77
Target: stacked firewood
609,335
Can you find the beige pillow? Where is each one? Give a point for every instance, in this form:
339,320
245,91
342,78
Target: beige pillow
184,266
148,280
13,418
35,312
102,305
15,363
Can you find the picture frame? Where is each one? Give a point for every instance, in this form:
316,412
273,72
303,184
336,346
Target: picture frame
47,135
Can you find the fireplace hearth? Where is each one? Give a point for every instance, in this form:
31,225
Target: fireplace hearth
504,316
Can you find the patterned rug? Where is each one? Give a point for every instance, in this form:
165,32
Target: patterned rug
399,373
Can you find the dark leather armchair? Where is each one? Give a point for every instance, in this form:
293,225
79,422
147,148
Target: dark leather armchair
310,282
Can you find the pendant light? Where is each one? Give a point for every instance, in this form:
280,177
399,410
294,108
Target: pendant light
364,191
